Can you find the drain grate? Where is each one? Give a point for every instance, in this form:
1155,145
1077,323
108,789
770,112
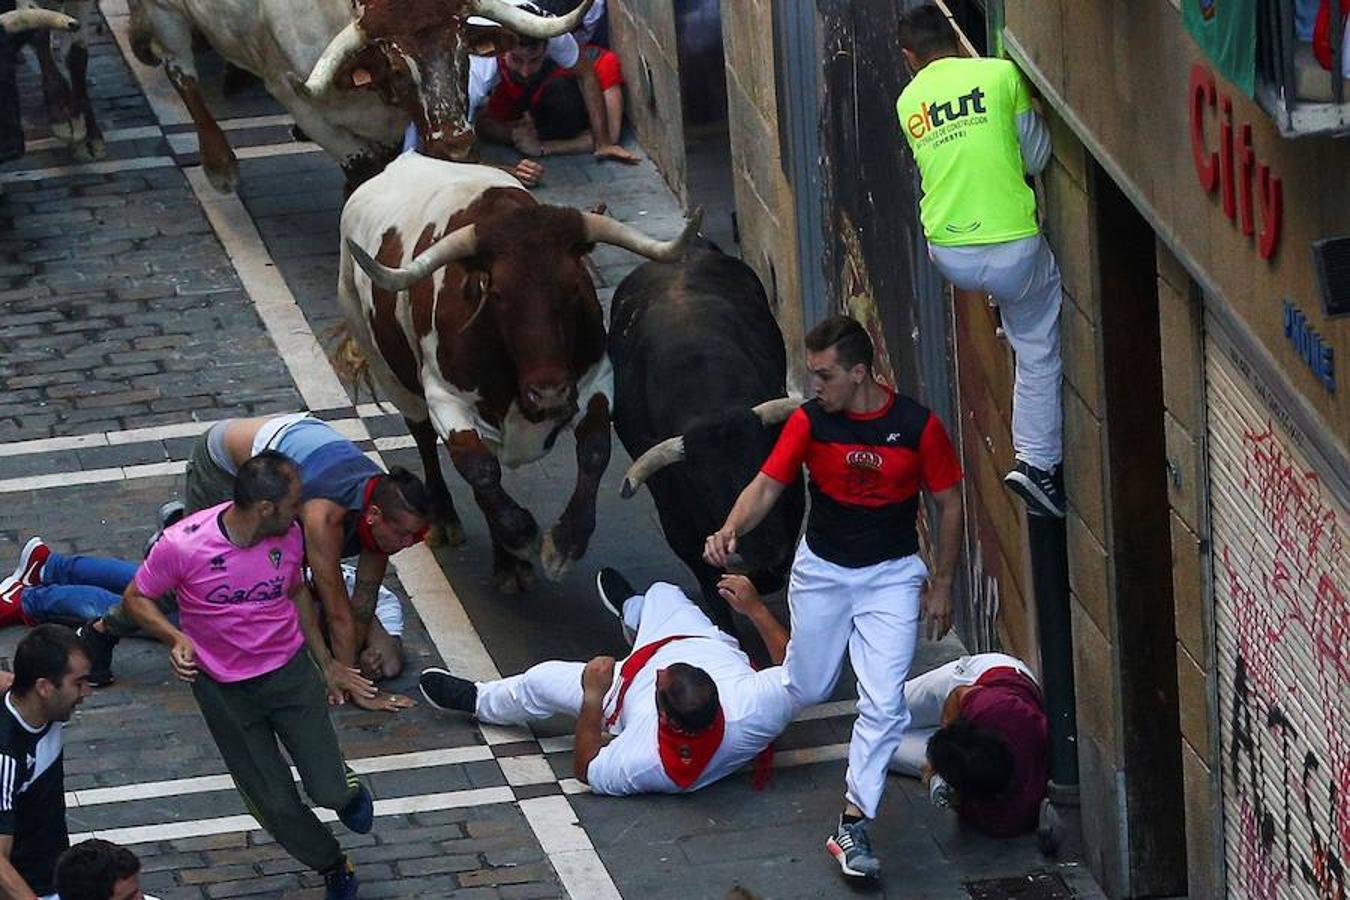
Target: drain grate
1035,886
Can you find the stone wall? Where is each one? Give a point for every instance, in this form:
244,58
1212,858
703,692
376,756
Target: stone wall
642,32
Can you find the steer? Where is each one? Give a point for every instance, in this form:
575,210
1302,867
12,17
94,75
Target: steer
60,41
698,364
371,67
470,304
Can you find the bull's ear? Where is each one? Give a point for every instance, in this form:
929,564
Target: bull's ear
489,40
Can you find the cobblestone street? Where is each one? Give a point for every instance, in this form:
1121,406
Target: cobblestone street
140,306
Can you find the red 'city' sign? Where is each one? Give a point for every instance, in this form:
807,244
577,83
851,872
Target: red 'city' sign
1216,168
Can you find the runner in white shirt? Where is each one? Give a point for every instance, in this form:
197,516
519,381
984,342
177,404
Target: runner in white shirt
682,711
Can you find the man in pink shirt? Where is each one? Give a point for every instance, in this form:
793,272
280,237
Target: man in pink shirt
249,643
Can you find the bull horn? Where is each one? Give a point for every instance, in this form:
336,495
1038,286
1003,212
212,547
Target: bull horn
776,412
345,44
604,230
458,244
671,450
527,24
19,20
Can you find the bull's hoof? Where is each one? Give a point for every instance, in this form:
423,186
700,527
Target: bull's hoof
224,180
90,149
526,553
556,563
517,579
446,534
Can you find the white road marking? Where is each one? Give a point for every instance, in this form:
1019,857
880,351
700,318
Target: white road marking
102,167
91,476
395,806
115,136
530,769
569,848
178,787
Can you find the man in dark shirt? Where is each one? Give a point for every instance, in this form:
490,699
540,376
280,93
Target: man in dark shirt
51,673
857,578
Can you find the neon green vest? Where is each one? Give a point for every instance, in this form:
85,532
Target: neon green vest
960,118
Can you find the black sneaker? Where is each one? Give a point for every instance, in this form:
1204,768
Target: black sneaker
1043,491
169,513
614,591
341,883
99,645
359,813
446,691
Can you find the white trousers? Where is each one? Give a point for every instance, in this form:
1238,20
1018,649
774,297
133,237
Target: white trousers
554,687
1023,279
873,613
925,695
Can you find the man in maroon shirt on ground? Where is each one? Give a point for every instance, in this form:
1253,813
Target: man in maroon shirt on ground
857,579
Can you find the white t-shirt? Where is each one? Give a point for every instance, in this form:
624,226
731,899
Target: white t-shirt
388,608
484,73
756,705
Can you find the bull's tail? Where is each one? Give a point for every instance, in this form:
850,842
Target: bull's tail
142,37
351,363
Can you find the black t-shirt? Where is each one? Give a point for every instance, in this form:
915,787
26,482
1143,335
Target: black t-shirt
32,797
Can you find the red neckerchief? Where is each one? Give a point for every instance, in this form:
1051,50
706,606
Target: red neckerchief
683,756
363,532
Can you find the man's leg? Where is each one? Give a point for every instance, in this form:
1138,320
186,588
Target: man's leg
238,722
924,696
67,603
93,571
881,648
297,699
1030,309
819,608
207,484
547,689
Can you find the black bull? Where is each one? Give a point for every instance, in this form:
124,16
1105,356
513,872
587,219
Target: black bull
695,348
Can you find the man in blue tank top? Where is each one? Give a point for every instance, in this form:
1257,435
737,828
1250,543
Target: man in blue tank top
350,508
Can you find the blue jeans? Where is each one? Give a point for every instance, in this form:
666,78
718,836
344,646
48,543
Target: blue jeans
77,588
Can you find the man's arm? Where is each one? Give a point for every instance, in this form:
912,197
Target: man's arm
12,885
340,678
595,681
1033,137
322,521
147,614
740,594
937,600
594,99
749,510
370,569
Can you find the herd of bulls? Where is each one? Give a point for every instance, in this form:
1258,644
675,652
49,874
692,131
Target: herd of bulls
468,304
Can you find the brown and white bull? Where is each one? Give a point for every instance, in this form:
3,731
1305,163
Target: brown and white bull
372,66
472,305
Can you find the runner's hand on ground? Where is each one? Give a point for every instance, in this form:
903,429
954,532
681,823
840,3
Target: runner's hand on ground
383,701
616,153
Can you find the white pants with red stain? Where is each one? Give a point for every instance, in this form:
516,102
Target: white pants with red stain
925,695
1023,278
873,614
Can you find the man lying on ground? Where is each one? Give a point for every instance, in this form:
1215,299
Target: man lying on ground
682,711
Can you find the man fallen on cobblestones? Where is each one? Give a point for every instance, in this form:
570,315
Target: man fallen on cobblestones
51,672
351,508
979,734
683,710
975,138
70,589
99,870
858,583
249,644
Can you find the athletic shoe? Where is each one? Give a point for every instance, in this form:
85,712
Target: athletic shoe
446,691
851,848
99,645
1043,491
614,590
341,883
28,573
940,793
1049,829
359,813
169,513
11,593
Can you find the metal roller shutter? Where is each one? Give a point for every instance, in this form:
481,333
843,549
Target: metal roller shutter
1278,525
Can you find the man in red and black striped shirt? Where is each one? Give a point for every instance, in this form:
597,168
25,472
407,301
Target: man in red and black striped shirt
857,580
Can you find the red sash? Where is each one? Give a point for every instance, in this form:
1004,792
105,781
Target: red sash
683,756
